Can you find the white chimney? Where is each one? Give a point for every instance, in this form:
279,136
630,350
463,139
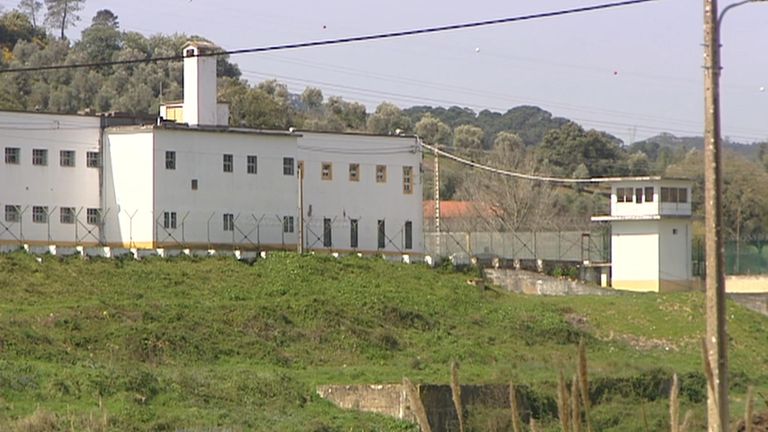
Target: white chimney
200,94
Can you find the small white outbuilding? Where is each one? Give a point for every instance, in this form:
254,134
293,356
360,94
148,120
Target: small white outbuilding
651,234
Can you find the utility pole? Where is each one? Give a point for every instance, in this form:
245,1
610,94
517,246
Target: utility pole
300,178
437,203
716,338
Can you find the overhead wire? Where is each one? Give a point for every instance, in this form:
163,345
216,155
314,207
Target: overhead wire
533,177
335,41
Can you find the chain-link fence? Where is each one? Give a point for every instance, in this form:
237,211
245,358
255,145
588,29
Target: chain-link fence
573,246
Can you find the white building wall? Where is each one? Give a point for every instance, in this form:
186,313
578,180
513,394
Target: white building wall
258,202
52,185
128,187
341,199
635,255
675,253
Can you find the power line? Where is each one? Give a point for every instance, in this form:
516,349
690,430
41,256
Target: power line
533,177
337,41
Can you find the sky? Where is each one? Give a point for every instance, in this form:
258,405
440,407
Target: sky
633,71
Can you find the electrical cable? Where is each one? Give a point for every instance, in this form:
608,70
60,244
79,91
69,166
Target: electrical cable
533,177
337,41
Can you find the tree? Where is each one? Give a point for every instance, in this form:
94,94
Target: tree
62,14
468,137
433,131
570,146
312,98
31,8
387,119
102,39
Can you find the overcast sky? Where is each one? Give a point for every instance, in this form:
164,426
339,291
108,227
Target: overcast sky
633,71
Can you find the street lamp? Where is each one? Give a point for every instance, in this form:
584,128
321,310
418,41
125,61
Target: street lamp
716,342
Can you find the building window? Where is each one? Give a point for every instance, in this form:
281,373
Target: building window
381,173
67,215
326,171
12,155
624,195
327,232
67,158
92,216
638,195
354,172
382,236
170,160
169,220
288,166
353,230
12,213
40,214
228,163
252,164
674,195
93,159
407,180
287,224
649,194
194,184
408,235
39,157
229,222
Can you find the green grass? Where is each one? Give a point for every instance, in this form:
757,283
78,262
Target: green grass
204,343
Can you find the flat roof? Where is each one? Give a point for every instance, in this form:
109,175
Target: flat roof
355,133
220,129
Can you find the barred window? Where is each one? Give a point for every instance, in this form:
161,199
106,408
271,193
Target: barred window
169,220
67,158
67,215
170,160
228,163
407,180
39,157
40,214
92,216
287,166
12,155
12,213
252,164
229,222
93,159
288,224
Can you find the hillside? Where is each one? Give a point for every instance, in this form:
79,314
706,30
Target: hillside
202,343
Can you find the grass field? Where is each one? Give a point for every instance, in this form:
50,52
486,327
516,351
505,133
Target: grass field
199,344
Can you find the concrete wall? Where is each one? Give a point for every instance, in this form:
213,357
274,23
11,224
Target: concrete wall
757,284
386,399
538,284
51,185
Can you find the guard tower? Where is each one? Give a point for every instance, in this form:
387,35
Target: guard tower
650,234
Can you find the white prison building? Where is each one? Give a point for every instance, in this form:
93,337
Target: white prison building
651,234
199,184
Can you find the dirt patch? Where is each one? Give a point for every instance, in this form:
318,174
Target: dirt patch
759,423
